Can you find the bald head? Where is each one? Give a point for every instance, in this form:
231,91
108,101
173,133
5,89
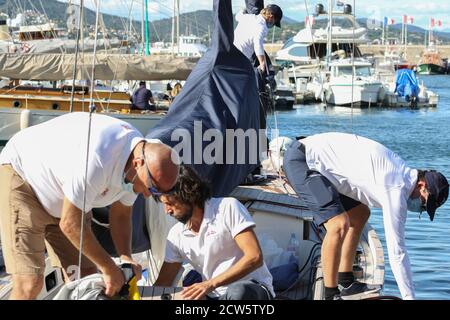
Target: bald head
163,162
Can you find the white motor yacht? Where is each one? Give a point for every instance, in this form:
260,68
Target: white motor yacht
304,52
352,83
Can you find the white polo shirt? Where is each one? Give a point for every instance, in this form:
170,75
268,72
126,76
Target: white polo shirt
51,157
367,171
213,250
250,33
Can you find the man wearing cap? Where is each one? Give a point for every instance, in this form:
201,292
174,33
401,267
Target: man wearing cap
48,177
252,29
339,176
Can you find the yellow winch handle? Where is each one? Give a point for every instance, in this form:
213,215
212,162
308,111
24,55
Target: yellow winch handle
133,292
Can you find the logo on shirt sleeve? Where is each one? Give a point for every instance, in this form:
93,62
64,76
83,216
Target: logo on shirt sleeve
126,127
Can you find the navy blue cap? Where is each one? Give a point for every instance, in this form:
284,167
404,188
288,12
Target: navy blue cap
437,186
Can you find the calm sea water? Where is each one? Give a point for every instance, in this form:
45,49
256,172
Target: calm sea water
422,139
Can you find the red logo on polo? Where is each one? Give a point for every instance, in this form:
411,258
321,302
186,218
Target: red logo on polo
210,233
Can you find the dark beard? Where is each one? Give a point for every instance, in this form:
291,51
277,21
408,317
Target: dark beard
186,216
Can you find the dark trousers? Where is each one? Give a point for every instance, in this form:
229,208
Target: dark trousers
246,290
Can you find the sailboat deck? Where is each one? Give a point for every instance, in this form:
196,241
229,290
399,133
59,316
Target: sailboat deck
273,194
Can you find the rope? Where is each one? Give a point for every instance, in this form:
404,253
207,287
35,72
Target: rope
91,110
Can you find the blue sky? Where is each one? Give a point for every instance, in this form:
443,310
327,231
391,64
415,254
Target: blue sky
421,10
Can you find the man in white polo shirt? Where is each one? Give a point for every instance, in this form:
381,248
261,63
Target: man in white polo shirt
48,178
216,237
339,176
252,29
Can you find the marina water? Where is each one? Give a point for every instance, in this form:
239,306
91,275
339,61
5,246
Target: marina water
422,139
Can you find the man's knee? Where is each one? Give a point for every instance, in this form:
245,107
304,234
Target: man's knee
26,287
359,216
338,225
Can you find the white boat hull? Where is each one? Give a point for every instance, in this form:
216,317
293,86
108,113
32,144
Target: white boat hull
12,120
359,94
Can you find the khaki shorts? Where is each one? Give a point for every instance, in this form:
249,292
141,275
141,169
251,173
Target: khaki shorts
27,230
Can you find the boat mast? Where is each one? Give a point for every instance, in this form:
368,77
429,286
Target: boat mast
97,17
77,49
330,28
178,27
406,38
130,22
147,40
143,27
173,27
430,36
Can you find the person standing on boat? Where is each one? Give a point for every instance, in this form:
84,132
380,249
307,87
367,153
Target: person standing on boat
47,179
216,237
141,98
339,176
252,29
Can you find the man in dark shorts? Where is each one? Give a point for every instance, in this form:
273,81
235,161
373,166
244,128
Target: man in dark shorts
141,98
339,176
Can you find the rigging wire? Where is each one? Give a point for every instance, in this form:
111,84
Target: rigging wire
91,110
62,49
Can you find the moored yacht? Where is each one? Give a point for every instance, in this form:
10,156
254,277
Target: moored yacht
308,47
352,83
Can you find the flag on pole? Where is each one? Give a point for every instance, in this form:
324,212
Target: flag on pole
439,23
405,19
411,20
391,21
309,21
432,22
385,21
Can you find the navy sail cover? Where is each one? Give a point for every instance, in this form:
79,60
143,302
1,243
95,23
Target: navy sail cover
220,94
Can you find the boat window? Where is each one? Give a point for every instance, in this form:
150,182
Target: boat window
362,71
345,71
299,51
288,43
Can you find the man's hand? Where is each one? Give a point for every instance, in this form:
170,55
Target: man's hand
137,268
197,291
114,280
262,68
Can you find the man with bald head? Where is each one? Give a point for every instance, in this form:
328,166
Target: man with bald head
48,177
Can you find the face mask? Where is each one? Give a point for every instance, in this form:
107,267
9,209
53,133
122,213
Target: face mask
414,205
128,186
